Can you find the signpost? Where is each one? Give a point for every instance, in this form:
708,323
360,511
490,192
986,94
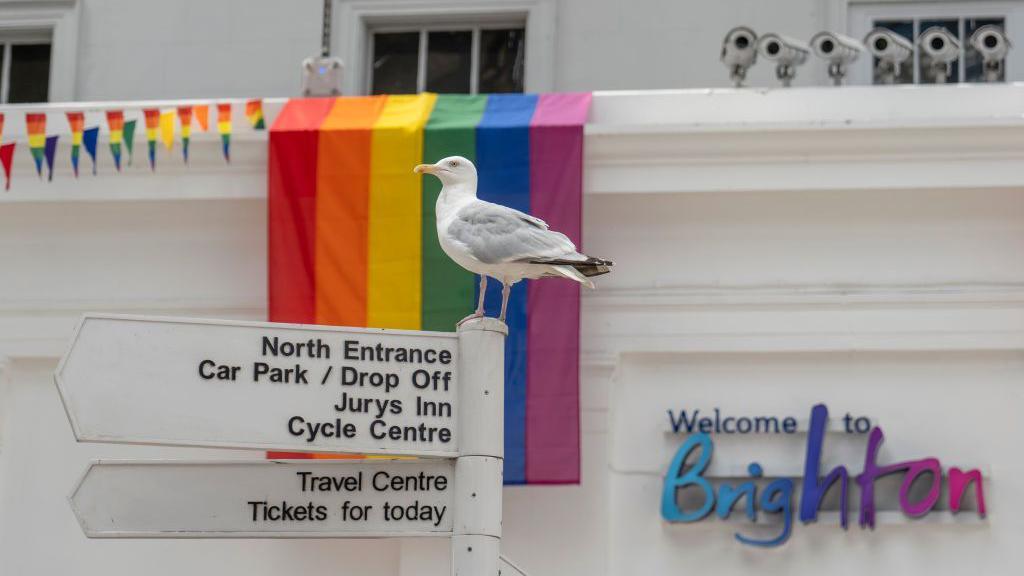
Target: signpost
261,385
263,499
431,395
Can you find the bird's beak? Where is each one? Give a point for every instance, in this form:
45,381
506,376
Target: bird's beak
425,169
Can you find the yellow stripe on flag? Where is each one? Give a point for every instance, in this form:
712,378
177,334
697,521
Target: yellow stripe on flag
36,140
167,128
394,263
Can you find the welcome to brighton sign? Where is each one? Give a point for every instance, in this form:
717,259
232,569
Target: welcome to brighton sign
690,465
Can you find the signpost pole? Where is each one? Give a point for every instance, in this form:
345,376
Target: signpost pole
476,537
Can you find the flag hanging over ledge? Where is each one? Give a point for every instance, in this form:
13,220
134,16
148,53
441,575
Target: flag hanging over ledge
352,239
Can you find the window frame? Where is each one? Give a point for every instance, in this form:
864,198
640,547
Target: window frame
20,37
862,15
356,20
424,33
60,19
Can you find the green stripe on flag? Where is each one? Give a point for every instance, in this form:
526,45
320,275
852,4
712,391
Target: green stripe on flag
447,288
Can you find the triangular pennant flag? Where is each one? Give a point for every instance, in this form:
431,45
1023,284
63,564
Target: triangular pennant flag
6,159
76,120
167,128
202,116
115,123
35,126
1,126
224,128
185,118
129,138
51,153
152,116
254,112
89,139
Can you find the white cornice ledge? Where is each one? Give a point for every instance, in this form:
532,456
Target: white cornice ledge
852,138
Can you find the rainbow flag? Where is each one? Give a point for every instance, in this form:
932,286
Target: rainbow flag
224,129
201,112
35,126
1,126
254,112
115,123
129,138
76,121
152,118
185,118
6,160
352,239
50,152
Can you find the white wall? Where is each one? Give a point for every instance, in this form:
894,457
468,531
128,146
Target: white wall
841,251
148,49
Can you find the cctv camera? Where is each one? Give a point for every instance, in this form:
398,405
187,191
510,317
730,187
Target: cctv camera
839,50
891,49
739,52
993,45
321,76
787,53
942,49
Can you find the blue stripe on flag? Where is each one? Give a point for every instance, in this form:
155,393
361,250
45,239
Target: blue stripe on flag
503,165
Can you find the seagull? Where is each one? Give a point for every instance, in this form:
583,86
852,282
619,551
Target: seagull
497,241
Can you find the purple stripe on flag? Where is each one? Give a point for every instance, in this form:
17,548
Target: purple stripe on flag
552,397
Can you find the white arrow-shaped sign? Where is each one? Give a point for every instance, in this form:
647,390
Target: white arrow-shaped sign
261,385
264,499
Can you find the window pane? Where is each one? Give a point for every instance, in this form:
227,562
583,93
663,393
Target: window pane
502,57
448,61
925,63
30,73
395,60
974,70
904,28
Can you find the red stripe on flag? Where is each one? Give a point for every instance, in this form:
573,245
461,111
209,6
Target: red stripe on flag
291,218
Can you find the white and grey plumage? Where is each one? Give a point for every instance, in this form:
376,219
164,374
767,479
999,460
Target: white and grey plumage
497,241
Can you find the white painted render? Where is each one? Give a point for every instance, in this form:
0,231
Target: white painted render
773,249
149,49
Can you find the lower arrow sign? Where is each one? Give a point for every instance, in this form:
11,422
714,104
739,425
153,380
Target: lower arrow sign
261,499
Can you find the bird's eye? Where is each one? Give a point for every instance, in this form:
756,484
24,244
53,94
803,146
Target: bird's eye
453,163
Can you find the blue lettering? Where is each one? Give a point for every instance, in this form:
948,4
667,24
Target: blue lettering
775,498
814,487
681,421
677,479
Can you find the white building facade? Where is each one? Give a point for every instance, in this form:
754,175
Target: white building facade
857,247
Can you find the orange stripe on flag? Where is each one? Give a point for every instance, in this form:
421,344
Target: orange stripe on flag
342,210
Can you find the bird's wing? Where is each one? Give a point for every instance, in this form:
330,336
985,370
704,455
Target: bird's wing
494,234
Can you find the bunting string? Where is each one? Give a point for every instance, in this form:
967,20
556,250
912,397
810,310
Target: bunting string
161,124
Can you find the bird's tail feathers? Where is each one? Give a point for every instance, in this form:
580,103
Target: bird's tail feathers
572,274
587,266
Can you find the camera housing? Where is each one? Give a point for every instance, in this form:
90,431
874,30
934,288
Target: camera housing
786,52
941,48
739,53
839,50
891,50
991,42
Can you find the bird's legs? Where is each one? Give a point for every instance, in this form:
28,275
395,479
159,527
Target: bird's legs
506,289
479,312
480,303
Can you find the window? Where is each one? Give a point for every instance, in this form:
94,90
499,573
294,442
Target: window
967,68
448,59
24,67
